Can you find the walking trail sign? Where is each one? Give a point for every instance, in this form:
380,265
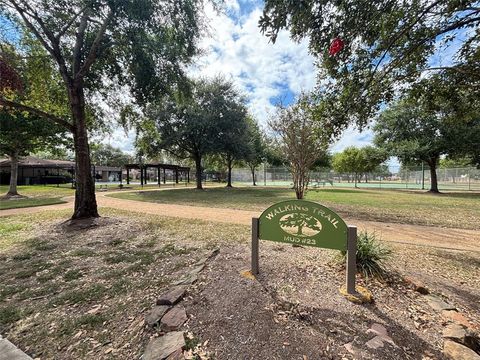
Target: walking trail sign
306,223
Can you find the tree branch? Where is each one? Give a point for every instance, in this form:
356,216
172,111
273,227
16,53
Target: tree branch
12,104
92,55
53,48
68,24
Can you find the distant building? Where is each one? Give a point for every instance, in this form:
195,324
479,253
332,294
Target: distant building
33,171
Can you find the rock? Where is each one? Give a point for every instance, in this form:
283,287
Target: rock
173,319
455,332
457,317
350,348
458,351
416,285
176,355
375,343
381,336
162,347
172,296
438,304
154,316
189,280
197,269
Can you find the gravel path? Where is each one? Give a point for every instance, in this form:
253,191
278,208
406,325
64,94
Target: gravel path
447,238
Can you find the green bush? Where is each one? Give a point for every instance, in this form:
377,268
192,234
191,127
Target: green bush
371,255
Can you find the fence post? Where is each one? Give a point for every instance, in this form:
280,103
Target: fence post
469,179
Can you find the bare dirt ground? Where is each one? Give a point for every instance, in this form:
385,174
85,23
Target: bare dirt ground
448,238
294,310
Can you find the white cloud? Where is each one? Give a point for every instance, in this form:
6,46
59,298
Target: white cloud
262,70
353,137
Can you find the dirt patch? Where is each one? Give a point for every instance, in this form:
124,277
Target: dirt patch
294,310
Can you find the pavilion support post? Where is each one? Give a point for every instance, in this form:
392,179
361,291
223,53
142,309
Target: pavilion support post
176,176
145,176
141,176
188,176
164,177
120,176
158,176
128,176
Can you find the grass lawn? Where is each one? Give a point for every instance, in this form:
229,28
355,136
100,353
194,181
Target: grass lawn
28,202
455,210
36,195
48,191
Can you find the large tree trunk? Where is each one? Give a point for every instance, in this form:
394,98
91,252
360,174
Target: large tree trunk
432,164
198,171
229,174
85,201
12,190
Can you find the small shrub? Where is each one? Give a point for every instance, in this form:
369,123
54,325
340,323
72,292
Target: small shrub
371,255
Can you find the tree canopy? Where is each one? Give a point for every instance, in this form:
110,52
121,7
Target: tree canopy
195,125
367,49
424,126
22,134
134,47
105,154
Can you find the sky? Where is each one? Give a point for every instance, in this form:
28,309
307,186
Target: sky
266,73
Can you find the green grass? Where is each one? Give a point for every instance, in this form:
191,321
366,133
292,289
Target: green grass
28,202
456,210
45,191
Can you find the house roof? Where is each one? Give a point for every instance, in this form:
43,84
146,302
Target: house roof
31,161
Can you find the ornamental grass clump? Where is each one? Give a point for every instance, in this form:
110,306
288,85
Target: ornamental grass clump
371,255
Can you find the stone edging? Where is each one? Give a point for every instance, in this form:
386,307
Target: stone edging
168,316
461,341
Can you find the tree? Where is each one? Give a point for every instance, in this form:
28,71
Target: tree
22,134
138,46
232,142
299,221
190,126
107,155
373,159
350,160
369,48
423,127
301,139
256,148
274,155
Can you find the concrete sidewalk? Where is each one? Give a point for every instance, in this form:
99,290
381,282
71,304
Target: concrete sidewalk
8,351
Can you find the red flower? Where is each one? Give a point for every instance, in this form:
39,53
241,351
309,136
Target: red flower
335,46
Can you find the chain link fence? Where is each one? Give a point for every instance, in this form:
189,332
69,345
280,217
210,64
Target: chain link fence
395,178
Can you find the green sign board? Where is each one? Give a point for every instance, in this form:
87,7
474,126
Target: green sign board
304,223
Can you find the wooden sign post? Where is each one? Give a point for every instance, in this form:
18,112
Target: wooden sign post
306,223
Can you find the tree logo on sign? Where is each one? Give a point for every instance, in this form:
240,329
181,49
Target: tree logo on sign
300,224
